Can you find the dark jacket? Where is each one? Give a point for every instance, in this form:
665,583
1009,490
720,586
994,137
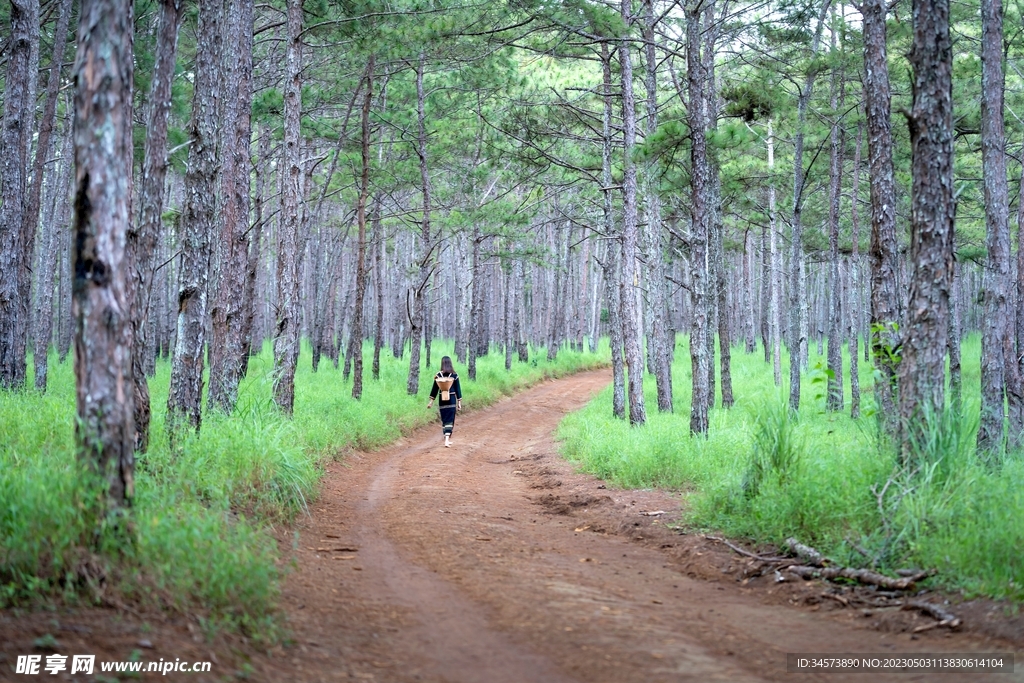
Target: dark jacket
453,394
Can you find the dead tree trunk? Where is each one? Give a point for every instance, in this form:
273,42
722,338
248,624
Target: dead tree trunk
286,339
105,427
142,242
922,373
196,227
15,145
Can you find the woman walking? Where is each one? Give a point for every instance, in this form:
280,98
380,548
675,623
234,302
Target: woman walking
446,383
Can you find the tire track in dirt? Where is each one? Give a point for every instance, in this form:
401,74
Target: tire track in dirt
492,561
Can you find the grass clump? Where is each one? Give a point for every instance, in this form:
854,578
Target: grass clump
766,473
197,537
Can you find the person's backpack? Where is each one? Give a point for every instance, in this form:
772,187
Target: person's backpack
445,385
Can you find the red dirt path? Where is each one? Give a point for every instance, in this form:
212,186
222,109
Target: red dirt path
494,562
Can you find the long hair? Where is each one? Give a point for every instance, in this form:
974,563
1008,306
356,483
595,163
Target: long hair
446,366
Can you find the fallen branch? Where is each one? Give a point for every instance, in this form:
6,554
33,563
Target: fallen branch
747,553
860,575
807,553
943,617
838,598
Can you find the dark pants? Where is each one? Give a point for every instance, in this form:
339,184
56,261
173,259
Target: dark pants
447,418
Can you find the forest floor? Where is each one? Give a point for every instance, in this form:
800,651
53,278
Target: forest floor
495,561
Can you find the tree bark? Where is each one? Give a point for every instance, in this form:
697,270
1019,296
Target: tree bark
361,273
834,400
995,291
955,376
749,289
378,282
1016,393
142,241
253,257
701,224
653,233
853,293
105,427
228,348
48,260
44,151
776,261
426,246
286,339
922,373
196,227
15,145
797,305
886,301
630,277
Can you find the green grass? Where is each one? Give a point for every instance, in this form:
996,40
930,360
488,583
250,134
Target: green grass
201,518
765,475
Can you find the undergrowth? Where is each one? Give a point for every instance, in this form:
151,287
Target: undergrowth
766,474
198,536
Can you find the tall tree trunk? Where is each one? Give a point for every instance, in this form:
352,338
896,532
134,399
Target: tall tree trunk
142,242
749,289
922,373
361,271
557,303
286,339
378,283
252,263
955,381
653,234
853,296
15,145
701,224
476,305
196,227
228,348
797,305
886,301
630,276
54,227
776,265
426,246
30,220
522,346
834,400
766,291
995,291
105,426
1016,392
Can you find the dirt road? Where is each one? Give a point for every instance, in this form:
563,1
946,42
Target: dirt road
493,562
